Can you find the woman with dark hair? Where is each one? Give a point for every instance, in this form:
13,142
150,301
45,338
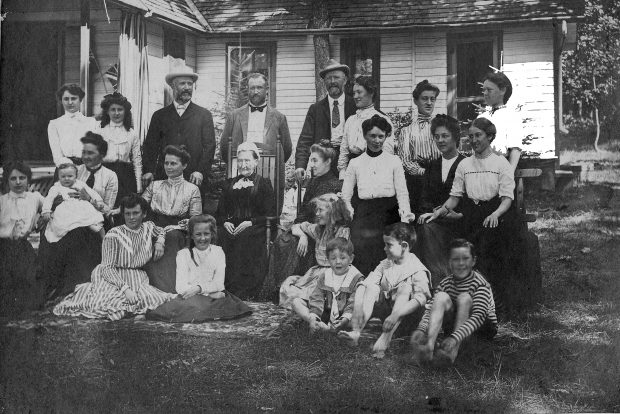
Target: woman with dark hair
497,90
484,185
172,202
245,203
119,285
124,155
415,146
381,187
284,260
64,133
19,211
433,238
353,142
200,280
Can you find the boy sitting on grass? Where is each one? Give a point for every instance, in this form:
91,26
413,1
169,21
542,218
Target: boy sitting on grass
393,292
331,303
462,304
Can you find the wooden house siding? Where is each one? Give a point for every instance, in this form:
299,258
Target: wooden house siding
431,63
211,69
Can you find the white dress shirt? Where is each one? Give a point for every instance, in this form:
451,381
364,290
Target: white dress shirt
20,208
181,107
446,164
338,132
64,135
256,124
509,127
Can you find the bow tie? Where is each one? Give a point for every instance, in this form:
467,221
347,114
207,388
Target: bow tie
257,108
423,119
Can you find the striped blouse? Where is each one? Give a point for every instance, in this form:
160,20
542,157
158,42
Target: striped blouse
415,143
483,306
174,197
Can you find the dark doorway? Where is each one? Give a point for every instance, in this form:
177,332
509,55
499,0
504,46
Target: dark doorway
28,80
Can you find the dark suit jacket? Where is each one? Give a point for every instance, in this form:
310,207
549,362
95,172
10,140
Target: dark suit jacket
194,130
317,126
237,127
435,192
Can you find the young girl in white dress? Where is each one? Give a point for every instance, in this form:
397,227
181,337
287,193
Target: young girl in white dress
72,212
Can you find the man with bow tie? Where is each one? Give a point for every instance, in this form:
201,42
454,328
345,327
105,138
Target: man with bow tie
259,123
180,123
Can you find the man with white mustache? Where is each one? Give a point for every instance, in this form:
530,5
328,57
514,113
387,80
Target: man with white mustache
259,123
180,123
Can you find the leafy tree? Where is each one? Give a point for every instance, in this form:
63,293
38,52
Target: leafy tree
591,74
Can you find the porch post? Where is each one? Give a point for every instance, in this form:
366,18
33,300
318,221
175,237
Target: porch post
85,52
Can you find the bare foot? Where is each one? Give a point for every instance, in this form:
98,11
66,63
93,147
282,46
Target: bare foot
379,348
350,338
446,354
380,354
422,353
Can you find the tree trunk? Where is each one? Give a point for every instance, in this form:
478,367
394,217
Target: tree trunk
597,120
320,20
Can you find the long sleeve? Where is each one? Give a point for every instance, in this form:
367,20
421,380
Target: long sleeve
208,145
111,191
481,299
223,212
226,136
402,194
219,262
152,145
350,181
95,197
49,199
109,252
183,274
285,138
506,181
148,193
136,159
404,152
54,140
264,201
374,278
306,139
343,157
195,203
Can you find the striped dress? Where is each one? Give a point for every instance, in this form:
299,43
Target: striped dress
483,305
124,253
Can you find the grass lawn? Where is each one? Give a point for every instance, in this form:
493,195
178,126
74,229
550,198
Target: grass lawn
563,356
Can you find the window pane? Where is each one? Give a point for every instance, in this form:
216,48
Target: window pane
174,44
472,63
241,62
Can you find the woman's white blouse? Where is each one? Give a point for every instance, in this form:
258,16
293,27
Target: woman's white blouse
354,142
123,146
64,135
377,177
208,271
23,208
483,179
174,197
509,129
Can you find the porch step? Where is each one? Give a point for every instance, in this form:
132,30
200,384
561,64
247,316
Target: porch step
564,180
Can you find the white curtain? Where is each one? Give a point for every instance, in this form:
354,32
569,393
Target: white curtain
133,79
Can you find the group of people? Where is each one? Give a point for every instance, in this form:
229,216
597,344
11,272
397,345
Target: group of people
391,214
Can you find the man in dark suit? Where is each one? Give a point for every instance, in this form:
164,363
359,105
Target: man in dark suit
259,123
325,119
180,123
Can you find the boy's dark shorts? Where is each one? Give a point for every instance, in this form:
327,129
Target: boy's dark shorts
383,309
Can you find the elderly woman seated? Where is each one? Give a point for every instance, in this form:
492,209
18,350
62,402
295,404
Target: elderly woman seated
284,260
172,202
247,200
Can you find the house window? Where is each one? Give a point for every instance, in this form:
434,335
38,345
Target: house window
174,43
361,55
469,57
245,59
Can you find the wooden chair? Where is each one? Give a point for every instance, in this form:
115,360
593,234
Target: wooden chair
268,167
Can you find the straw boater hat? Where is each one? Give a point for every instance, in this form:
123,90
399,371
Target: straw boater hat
178,71
334,65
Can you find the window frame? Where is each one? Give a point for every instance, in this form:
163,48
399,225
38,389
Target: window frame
271,48
169,35
454,40
347,56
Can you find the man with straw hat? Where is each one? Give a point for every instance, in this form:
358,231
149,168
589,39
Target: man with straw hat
180,123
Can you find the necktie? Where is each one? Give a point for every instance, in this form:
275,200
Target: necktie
257,108
335,115
90,181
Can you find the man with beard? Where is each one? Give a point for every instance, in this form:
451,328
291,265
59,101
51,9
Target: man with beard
259,123
325,119
180,123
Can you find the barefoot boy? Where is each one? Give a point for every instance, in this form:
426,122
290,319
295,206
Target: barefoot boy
394,290
462,304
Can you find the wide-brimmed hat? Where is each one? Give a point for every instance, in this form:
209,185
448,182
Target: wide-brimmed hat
332,64
180,71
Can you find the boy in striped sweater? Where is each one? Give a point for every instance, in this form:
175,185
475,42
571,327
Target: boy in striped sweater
462,304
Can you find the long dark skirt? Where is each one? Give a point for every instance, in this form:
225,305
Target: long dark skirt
246,260
415,186
126,179
498,249
69,261
432,244
371,217
163,272
19,290
200,308
284,262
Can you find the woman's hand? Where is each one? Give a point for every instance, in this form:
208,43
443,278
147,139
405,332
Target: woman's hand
158,251
196,178
83,194
242,226
146,179
491,221
193,291
424,218
230,228
131,296
302,245
408,218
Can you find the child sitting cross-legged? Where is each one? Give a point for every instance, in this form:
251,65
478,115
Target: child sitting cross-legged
331,303
462,304
394,291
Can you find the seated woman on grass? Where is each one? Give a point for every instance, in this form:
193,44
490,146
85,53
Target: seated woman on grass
333,219
485,184
200,280
331,304
462,305
394,291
